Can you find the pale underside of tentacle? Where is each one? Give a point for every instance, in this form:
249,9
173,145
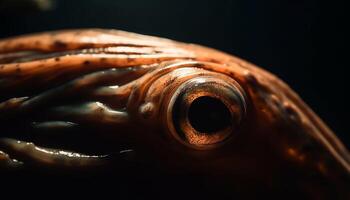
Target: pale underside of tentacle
97,98
27,151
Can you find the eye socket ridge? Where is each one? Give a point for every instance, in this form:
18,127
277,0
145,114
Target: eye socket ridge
206,111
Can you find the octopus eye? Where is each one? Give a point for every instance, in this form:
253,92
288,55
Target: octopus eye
206,111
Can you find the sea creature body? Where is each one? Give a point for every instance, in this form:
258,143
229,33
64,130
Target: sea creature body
88,99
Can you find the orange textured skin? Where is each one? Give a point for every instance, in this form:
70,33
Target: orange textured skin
280,138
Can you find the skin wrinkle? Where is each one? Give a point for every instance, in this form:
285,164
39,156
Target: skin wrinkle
27,56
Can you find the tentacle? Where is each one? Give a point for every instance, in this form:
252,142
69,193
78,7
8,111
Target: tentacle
114,96
7,163
85,84
92,113
28,152
81,86
11,105
75,39
27,56
10,57
60,69
56,125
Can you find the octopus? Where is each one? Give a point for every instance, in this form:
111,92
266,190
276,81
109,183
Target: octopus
92,100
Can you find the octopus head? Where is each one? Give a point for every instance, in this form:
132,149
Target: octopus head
94,99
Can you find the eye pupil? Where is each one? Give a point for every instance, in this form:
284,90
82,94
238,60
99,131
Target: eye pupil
209,115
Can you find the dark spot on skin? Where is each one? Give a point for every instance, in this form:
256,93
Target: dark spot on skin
230,73
103,59
57,59
275,100
2,66
252,81
37,43
53,33
20,46
129,59
77,33
198,65
6,45
86,62
250,78
213,60
291,112
18,68
58,44
169,81
86,46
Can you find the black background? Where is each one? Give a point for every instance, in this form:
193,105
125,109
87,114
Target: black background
303,42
